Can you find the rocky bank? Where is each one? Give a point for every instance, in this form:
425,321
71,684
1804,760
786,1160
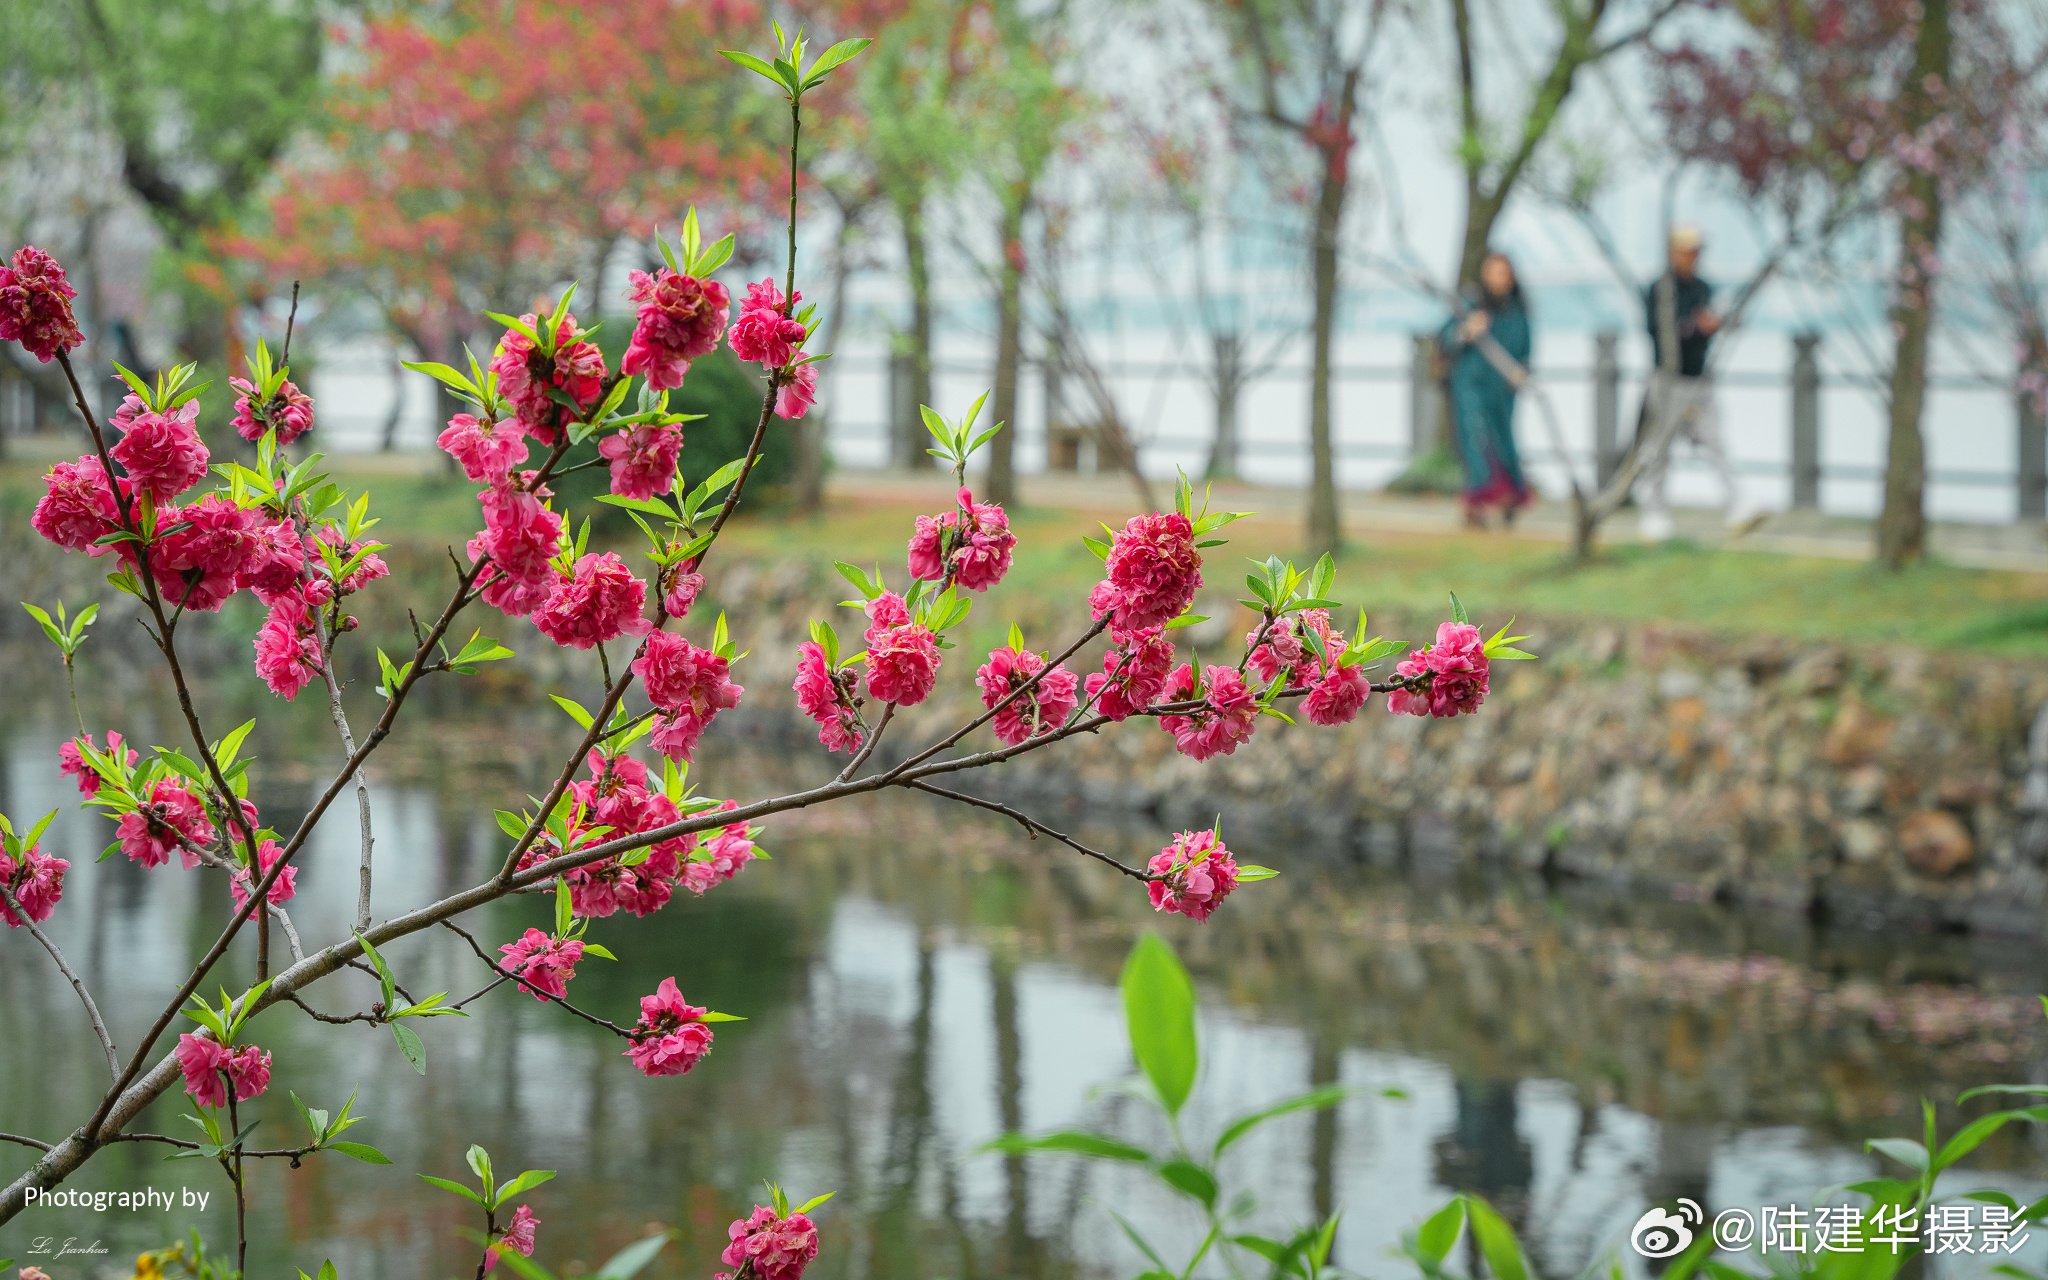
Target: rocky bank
1870,784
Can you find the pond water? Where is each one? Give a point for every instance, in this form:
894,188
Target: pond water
918,979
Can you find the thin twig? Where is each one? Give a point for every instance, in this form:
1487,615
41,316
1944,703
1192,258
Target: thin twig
92,1010
507,975
335,1019
869,743
348,746
1032,825
186,1144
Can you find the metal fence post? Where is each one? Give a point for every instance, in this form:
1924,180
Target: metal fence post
1425,398
1805,422
2031,417
905,425
1606,407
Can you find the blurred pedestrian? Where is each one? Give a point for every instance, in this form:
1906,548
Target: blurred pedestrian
1483,393
1679,403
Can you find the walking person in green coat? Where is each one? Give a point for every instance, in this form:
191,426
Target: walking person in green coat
1482,397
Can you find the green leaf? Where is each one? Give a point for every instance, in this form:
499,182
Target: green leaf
1497,1243
1249,871
759,66
1071,1142
815,1201
1159,1011
631,1260
524,1183
1973,1134
455,1188
409,1043
1458,610
390,983
1904,1150
515,324
583,718
1439,1233
443,374
359,1151
1984,1089
1190,1179
831,58
1314,1100
1144,1246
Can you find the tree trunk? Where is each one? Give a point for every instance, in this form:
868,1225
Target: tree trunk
1902,525
394,417
809,480
1002,450
1324,533
1227,379
910,433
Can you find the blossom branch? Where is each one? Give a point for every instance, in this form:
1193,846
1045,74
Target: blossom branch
1022,689
506,975
137,1090
465,593
166,643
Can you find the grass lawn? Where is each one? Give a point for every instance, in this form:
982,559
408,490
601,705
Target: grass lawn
1739,592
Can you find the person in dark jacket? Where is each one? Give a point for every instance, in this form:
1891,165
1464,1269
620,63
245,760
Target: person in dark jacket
1679,312
1483,395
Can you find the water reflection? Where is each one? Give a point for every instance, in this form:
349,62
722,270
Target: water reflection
918,980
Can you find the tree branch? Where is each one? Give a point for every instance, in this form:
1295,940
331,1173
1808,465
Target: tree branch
1033,826
92,1010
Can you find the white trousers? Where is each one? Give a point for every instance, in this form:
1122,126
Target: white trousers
1682,408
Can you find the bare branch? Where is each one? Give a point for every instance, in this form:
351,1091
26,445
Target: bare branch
92,1010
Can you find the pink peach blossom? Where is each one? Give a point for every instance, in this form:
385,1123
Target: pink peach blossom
643,458
544,964
795,396
37,882
1044,708
77,507
669,1039
35,305
826,696
765,334
1151,573
162,452
970,545
600,601
679,320
290,412
1220,726
1196,873
487,451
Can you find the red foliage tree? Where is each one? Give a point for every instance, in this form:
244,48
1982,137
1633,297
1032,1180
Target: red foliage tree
490,150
